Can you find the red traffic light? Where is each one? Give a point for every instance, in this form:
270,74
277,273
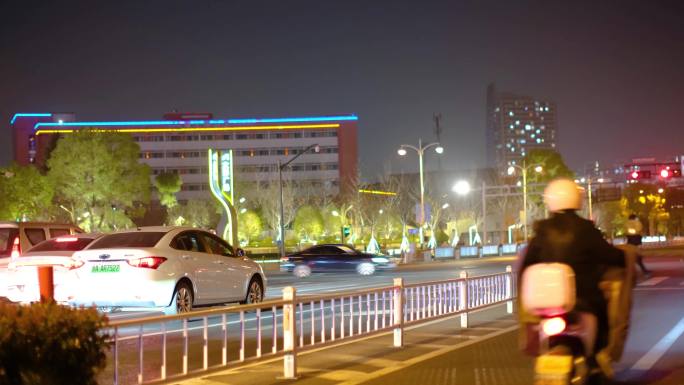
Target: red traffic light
665,173
635,175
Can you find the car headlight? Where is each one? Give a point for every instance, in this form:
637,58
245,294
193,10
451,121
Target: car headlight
379,259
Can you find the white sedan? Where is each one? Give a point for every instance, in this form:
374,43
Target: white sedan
172,268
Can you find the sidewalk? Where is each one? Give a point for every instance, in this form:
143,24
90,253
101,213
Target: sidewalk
375,360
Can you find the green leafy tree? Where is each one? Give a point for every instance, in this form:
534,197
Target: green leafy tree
26,194
96,173
167,185
308,223
194,213
249,226
553,166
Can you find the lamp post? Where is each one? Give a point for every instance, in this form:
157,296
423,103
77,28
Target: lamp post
523,169
421,150
589,181
281,166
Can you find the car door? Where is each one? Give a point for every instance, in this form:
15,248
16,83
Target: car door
231,273
198,263
347,258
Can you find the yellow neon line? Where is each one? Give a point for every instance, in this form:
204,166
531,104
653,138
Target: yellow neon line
192,129
377,192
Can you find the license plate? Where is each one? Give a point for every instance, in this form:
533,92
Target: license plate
106,269
553,365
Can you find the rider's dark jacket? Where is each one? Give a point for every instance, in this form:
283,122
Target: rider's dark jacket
569,239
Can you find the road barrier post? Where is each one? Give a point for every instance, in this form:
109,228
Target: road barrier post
509,289
289,333
398,299
463,298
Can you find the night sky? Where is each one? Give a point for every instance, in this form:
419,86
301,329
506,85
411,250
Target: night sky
614,68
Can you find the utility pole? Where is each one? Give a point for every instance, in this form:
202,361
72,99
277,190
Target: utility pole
437,118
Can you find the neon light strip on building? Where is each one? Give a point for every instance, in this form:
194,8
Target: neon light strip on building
193,129
29,115
198,122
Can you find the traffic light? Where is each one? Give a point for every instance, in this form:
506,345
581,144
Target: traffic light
346,231
639,175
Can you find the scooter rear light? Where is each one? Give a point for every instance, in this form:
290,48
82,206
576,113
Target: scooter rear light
553,326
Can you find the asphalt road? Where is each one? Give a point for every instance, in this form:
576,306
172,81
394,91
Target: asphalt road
259,327
654,352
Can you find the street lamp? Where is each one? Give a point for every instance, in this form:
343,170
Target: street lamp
462,187
421,150
281,166
523,169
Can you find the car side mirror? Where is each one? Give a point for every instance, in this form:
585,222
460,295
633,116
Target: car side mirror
240,253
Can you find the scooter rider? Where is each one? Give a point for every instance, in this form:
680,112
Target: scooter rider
567,238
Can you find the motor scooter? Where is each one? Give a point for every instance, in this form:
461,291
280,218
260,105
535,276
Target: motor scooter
565,338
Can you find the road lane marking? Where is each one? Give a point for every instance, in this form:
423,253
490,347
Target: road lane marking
659,349
653,281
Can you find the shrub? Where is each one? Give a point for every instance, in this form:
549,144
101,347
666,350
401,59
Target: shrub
49,344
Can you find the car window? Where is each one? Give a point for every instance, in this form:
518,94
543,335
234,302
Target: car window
333,250
35,236
313,250
132,239
54,233
218,246
347,249
62,244
188,241
6,240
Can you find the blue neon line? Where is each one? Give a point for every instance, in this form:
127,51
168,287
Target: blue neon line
29,114
182,122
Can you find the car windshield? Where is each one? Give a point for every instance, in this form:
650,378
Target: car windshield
7,236
132,239
62,244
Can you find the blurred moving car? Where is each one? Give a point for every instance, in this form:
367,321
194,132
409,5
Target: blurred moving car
22,277
333,258
173,268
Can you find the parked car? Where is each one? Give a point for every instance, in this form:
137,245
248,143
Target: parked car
22,274
172,268
16,237
333,258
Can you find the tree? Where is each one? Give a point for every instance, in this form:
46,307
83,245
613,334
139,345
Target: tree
167,185
110,179
649,205
198,213
249,225
552,164
26,194
308,223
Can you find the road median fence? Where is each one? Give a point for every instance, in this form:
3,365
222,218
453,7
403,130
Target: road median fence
164,348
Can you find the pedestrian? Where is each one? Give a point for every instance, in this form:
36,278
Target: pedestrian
634,230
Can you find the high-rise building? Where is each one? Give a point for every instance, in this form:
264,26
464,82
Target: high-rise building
179,143
517,124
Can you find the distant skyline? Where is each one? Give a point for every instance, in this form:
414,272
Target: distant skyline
614,68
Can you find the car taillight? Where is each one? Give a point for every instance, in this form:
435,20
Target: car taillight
284,259
16,249
147,262
553,326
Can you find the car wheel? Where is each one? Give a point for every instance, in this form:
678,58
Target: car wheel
365,268
302,271
183,298
255,292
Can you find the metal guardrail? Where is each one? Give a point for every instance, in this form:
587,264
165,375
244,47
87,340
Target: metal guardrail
143,349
